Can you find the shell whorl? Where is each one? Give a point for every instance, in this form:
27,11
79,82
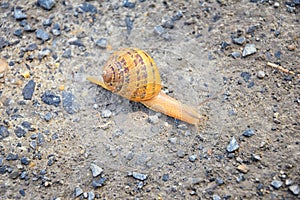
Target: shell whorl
133,74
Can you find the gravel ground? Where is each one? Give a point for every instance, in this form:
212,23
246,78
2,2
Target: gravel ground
62,137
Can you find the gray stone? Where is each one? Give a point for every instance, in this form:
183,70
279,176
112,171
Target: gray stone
28,90
249,50
192,158
96,170
106,113
102,43
19,14
276,184
3,132
68,102
99,183
248,132
233,145
153,119
180,153
294,189
50,98
239,41
91,195
78,191
261,74
46,4
42,35
139,176
235,54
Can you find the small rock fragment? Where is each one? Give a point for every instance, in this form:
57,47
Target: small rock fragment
235,54
20,132
295,189
99,183
25,161
276,184
249,50
106,113
22,192
248,133
96,170
19,14
165,177
3,132
48,116
76,42
78,191
256,157
261,74
46,4
243,168
129,24
246,76
67,53
139,176
42,35
239,41
12,156
28,90
153,119
91,195
192,158
87,7
102,43
233,145
56,29
180,153
128,3
50,98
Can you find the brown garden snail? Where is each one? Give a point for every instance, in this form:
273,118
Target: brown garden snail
132,73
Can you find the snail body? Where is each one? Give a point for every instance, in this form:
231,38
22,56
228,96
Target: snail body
133,74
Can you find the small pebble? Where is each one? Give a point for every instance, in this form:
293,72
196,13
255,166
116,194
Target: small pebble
102,43
19,14
46,4
3,132
76,42
233,145
219,181
165,177
22,192
180,153
91,195
78,191
243,168
32,47
295,189
28,90
276,5
177,16
99,183
246,76
28,28
25,161
56,29
153,119
235,54
288,182
12,156
20,132
240,178
50,98
18,32
276,184
33,144
47,22
192,158
239,41
167,22
139,176
87,7
48,116
248,133
249,50
129,3
173,140
216,197
96,170
129,24
256,157
261,74
106,113
42,35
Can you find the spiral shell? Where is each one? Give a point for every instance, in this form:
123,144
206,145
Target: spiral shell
133,74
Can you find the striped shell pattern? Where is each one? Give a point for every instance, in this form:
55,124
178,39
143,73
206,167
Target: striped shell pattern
133,74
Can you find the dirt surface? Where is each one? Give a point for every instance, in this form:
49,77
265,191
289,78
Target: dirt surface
55,124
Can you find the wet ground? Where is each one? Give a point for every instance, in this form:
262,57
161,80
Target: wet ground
63,137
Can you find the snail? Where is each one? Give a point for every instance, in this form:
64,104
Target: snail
133,74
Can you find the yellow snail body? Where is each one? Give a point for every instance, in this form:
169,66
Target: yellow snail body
133,74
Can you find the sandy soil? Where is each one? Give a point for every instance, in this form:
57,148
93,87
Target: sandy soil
168,158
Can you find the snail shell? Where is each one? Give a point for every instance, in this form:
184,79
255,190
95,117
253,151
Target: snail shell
133,74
